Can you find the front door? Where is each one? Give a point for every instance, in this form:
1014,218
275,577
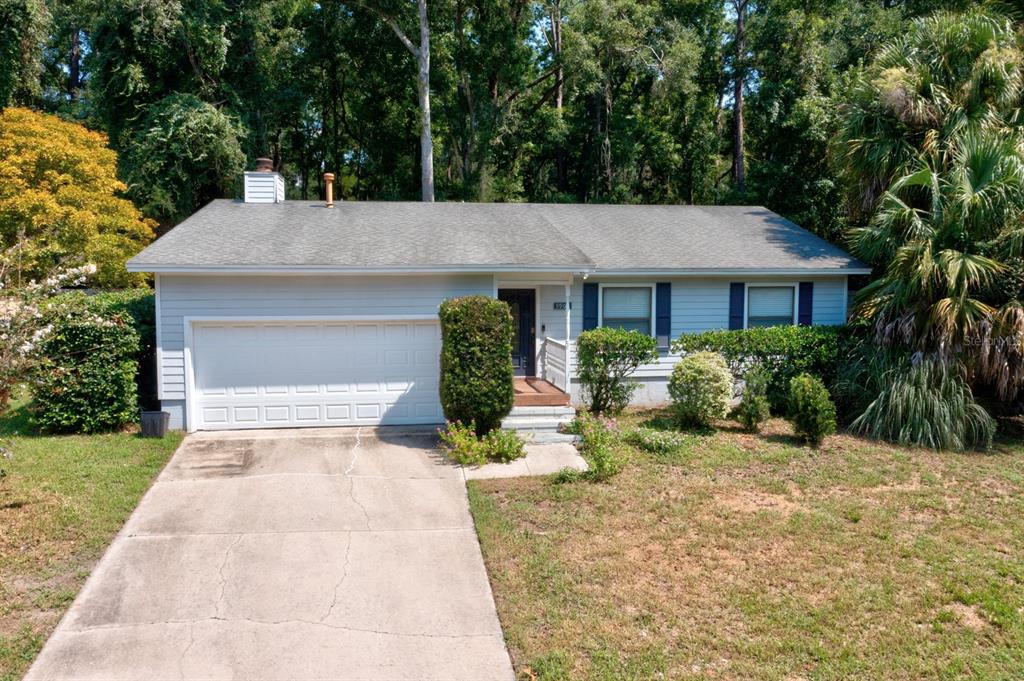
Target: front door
521,303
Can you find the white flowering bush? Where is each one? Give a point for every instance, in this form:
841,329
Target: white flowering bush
22,324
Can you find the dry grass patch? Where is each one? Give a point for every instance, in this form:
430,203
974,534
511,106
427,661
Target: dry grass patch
751,557
61,502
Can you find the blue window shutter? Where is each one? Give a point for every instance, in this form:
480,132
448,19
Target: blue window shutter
736,291
663,314
804,315
589,306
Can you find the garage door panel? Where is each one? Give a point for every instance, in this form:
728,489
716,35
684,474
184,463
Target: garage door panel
278,374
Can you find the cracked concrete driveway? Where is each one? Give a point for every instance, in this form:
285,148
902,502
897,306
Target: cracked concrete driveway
322,554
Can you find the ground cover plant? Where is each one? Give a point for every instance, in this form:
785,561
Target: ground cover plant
62,500
750,556
461,444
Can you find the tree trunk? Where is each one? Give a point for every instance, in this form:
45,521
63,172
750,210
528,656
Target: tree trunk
606,143
75,65
426,137
739,174
561,158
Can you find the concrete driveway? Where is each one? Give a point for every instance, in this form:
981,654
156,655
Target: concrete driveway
323,554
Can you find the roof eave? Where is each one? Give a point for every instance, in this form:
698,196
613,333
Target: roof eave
580,269
335,269
734,271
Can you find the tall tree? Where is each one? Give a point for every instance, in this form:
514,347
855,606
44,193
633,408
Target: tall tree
61,203
23,30
739,79
421,53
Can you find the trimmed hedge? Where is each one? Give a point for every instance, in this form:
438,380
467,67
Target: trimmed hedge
138,305
85,381
476,361
784,351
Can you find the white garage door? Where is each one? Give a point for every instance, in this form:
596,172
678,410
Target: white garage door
275,375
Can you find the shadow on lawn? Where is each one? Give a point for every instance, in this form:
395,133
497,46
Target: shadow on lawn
16,421
661,420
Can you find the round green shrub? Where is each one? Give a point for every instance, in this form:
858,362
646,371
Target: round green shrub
811,410
700,388
85,380
753,409
476,361
606,358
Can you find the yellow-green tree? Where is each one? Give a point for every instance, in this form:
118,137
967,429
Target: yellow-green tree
60,202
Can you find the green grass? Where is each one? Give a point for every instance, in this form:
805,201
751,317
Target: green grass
743,556
62,500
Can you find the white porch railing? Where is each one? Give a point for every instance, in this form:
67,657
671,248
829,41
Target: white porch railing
556,364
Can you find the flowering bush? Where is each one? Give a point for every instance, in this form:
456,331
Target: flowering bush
22,327
596,445
138,305
84,379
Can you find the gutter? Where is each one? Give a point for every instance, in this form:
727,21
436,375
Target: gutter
579,270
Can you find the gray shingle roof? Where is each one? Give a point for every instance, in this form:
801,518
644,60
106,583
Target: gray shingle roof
383,235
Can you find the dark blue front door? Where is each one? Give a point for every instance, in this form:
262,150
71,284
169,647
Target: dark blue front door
521,301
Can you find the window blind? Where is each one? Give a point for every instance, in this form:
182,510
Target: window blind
627,303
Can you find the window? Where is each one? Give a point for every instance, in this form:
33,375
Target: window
770,305
627,307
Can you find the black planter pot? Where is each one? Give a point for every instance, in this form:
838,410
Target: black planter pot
154,423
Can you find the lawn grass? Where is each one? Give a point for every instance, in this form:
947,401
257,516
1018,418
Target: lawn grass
752,557
61,502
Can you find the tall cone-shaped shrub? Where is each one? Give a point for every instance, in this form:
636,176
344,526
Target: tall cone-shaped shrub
476,361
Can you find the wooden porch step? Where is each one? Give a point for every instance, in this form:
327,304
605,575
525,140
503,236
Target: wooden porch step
536,392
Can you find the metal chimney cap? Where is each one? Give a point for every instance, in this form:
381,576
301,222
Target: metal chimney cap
264,165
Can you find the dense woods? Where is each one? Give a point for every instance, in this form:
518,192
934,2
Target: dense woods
661,101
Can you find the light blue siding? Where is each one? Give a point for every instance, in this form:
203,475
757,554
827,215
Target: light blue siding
288,296
698,304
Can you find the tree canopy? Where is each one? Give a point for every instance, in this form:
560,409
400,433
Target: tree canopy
530,100
933,151
60,202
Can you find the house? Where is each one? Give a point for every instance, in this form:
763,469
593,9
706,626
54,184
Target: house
274,313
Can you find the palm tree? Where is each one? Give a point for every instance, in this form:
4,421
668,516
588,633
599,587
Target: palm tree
933,149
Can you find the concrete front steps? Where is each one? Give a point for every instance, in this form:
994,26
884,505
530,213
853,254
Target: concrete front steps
540,425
